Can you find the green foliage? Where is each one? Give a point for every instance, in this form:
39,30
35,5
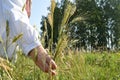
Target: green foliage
99,27
94,23
75,65
104,66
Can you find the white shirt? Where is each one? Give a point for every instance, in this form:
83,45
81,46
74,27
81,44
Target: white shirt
13,11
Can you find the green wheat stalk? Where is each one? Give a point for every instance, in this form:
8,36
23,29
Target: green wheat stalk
51,22
63,37
16,38
7,36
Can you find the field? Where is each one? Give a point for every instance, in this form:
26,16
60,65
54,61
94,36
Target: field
73,66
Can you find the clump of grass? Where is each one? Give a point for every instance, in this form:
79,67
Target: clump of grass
63,29
6,67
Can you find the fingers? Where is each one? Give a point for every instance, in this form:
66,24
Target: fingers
51,63
46,64
54,66
47,69
53,72
50,66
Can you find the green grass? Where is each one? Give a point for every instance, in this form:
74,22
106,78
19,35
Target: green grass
80,66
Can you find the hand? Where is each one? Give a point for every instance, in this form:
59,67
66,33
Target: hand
43,60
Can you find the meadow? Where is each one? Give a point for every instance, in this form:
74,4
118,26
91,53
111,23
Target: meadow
73,66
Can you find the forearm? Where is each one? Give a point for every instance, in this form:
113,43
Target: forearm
28,7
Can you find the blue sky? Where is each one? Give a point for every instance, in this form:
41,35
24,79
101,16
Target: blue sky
39,8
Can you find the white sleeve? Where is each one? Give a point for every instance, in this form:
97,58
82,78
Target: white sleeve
19,23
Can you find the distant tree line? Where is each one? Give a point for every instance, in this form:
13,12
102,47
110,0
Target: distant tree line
95,24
